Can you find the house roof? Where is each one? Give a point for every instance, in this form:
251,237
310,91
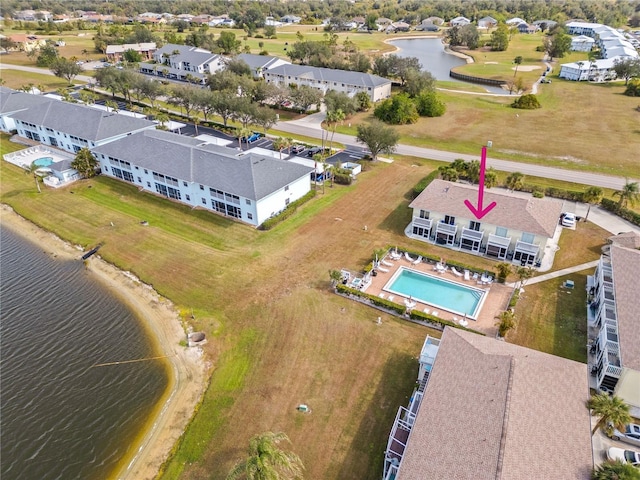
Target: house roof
625,263
330,75
81,121
532,215
250,176
494,410
13,101
137,47
186,53
627,240
259,61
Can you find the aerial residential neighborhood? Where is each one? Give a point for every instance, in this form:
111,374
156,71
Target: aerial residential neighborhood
370,240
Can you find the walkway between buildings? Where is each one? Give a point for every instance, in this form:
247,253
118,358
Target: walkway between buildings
557,273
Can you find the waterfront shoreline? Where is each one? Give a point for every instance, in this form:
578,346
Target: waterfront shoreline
186,366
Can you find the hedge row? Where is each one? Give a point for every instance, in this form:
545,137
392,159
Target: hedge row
554,192
287,212
399,309
515,296
625,213
343,178
424,183
451,263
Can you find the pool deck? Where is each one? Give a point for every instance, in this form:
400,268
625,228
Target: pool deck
24,158
495,302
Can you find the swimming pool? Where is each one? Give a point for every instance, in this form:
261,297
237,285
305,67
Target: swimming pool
437,292
43,162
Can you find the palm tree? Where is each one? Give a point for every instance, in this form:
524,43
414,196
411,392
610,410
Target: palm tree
243,132
503,269
33,170
280,144
629,194
515,181
332,120
110,104
517,61
592,196
507,322
266,461
611,410
615,470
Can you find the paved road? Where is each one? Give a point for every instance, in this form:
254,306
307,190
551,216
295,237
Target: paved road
310,127
606,181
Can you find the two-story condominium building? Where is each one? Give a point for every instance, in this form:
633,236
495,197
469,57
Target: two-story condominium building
177,61
261,63
325,79
614,320
115,53
245,186
517,229
486,410
71,127
13,101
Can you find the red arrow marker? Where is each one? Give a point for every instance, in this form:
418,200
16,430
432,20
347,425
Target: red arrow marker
478,211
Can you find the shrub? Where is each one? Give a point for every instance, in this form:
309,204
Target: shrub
398,110
429,105
515,296
287,212
633,88
613,206
527,102
537,192
424,183
343,178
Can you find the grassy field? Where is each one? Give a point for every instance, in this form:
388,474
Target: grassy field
277,336
16,79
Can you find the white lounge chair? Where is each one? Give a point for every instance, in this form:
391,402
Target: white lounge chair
390,298
464,322
467,277
383,270
417,260
408,257
381,295
388,264
426,310
435,313
455,320
456,272
410,303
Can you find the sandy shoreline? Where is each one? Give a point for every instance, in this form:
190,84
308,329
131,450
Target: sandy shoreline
187,372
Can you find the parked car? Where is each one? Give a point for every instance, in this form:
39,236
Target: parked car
253,137
313,151
568,220
545,80
630,435
625,456
297,148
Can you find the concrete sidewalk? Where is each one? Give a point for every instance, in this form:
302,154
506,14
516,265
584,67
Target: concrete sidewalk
557,273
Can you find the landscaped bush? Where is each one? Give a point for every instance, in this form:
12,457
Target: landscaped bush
343,178
514,298
633,88
424,183
613,206
287,212
380,302
527,102
553,192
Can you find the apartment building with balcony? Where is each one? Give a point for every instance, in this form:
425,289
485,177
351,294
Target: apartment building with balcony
518,229
613,320
489,409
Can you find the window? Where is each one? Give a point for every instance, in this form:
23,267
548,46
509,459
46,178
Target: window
286,188
162,189
247,201
105,169
201,187
421,231
184,184
76,148
501,232
204,201
250,216
234,211
149,184
286,201
528,237
53,141
139,180
145,171
449,220
474,226
219,206
188,198
424,214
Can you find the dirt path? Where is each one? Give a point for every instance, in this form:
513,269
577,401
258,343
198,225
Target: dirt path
187,373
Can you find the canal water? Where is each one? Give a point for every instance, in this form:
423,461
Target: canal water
61,417
434,59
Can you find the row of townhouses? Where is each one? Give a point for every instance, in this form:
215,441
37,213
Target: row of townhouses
183,62
519,229
612,44
245,186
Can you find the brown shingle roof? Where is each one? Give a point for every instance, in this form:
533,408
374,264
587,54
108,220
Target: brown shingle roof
625,263
628,240
494,410
532,215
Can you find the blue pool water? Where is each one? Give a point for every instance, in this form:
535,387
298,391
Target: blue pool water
438,292
43,162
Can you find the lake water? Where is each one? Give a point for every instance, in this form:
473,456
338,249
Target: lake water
431,54
61,417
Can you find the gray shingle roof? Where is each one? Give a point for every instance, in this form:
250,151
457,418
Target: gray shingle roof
493,410
14,101
625,263
330,75
81,121
257,61
187,53
532,215
250,176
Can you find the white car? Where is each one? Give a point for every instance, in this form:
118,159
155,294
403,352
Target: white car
568,220
631,434
625,456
